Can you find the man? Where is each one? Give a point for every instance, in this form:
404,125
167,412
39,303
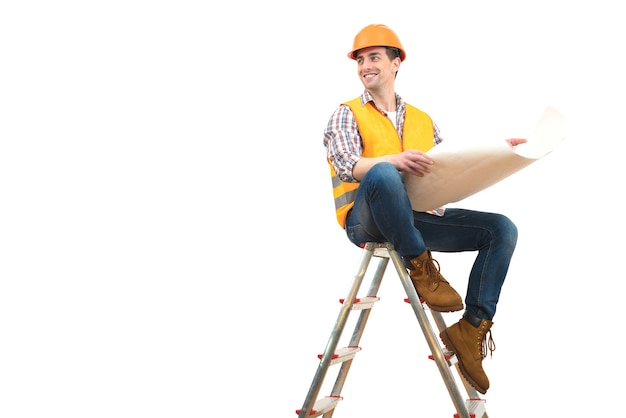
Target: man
371,141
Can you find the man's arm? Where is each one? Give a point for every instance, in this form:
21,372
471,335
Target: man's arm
411,161
343,149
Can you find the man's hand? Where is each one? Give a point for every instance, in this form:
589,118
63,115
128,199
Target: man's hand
513,142
412,161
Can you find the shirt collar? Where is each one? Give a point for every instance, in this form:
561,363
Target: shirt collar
367,97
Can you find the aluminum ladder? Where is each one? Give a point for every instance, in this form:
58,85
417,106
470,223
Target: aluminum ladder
472,407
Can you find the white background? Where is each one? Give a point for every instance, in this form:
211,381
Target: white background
168,241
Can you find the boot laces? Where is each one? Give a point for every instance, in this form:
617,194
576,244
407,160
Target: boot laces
433,271
487,344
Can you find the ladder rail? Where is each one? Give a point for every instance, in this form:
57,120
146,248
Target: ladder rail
471,392
433,343
373,290
359,327
335,335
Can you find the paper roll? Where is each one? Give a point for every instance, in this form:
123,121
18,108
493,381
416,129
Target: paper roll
461,171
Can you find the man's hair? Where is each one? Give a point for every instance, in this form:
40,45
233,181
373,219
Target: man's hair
392,52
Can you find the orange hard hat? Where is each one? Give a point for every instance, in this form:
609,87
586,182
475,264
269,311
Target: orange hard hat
376,35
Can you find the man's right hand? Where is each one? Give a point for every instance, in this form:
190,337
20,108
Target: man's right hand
412,161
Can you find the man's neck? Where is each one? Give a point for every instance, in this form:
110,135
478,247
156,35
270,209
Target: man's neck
385,101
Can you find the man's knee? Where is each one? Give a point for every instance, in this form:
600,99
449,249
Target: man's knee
507,229
383,172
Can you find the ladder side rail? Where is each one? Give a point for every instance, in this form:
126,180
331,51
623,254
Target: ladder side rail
372,291
380,271
441,325
433,343
471,392
335,335
359,328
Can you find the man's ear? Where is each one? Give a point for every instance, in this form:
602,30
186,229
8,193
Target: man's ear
396,64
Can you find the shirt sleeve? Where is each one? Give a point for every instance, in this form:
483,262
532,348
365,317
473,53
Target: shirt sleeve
343,143
438,138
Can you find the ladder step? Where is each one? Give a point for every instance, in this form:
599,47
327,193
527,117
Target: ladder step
362,303
450,357
381,252
323,405
407,300
475,407
343,354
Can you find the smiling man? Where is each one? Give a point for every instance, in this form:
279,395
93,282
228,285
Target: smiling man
370,141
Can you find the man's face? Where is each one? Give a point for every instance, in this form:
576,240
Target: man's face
375,69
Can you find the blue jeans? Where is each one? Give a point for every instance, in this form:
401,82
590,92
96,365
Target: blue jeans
382,213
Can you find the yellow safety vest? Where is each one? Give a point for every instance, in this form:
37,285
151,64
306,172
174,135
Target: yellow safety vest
380,138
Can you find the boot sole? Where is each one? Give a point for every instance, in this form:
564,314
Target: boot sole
448,343
445,308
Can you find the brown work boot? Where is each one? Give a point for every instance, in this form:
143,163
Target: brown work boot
470,345
431,286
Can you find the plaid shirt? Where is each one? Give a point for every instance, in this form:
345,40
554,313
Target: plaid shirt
343,141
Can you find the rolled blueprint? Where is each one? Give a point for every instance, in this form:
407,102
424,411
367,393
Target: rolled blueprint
463,170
